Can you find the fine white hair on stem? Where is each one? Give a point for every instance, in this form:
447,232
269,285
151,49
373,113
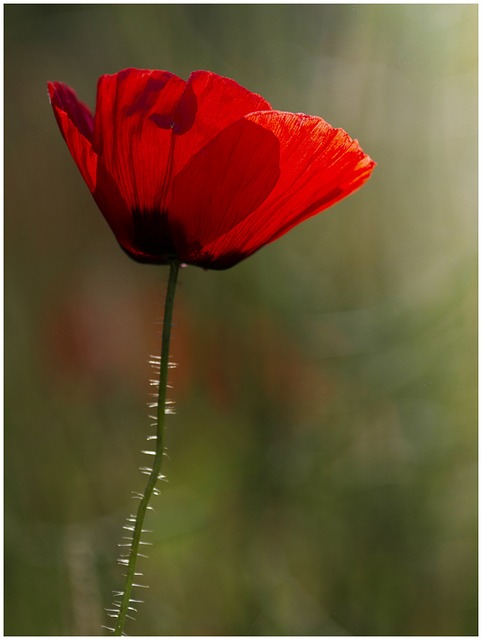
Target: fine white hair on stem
160,406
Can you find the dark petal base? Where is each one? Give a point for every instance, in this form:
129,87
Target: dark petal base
152,238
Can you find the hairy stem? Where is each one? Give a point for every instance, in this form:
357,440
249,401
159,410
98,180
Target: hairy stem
156,467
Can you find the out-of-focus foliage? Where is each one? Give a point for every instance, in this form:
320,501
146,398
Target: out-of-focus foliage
322,467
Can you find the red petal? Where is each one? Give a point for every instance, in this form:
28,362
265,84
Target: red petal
113,207
208,105
133,131
221,185
76,123
319,165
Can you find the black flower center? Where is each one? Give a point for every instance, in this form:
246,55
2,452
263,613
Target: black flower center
152,234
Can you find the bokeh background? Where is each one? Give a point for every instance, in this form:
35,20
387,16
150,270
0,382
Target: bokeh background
322,467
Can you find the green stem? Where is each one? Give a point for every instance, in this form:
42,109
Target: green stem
156,467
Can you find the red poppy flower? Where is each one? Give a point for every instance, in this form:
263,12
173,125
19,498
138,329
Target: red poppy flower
202,171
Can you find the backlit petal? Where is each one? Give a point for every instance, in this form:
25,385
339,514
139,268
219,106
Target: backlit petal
76,123
208,105
319,165
113,207
133,132
221,185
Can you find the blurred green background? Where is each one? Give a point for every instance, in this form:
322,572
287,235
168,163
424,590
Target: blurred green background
322,462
